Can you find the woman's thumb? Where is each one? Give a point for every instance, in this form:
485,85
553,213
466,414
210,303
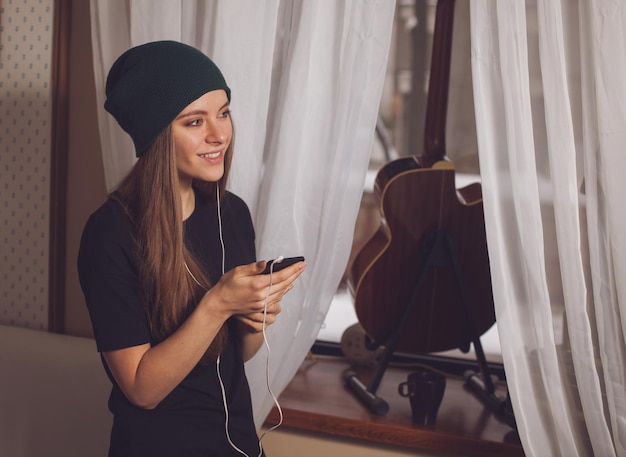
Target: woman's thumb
259,266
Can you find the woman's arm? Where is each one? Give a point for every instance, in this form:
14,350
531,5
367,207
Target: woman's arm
147,374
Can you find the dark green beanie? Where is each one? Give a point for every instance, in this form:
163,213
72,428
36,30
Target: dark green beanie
149,85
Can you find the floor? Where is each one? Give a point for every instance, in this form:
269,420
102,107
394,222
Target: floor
318,401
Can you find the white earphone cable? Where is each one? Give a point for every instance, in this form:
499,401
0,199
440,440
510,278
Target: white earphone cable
267,366
225,401
219,222
265,341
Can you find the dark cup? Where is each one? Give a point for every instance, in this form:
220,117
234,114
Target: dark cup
425,391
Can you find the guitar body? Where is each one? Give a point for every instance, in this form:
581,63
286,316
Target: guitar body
419,205
416,203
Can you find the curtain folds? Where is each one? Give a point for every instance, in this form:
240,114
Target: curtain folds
550,98
306,78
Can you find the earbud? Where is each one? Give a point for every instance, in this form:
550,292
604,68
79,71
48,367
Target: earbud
279,259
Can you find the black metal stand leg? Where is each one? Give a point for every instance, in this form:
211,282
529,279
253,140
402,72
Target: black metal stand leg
368,394
481,382
471,331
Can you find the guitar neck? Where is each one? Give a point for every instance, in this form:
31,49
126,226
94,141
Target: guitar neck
438,85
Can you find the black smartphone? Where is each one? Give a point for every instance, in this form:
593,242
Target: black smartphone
283,264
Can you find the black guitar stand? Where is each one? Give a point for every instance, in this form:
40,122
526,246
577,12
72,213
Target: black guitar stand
439,252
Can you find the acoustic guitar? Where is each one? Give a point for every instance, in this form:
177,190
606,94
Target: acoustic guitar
419,201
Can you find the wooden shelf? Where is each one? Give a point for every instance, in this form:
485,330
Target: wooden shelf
317,400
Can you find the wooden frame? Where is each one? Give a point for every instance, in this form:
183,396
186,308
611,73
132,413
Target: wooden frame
58,165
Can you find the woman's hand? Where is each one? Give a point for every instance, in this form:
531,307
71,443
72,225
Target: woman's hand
250,296
254,316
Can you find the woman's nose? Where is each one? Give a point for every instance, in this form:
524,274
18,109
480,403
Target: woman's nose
215,134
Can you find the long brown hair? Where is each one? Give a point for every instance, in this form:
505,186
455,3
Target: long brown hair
150,196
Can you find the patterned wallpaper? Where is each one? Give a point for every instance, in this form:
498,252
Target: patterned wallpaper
25,72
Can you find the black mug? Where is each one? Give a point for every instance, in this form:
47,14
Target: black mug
425,391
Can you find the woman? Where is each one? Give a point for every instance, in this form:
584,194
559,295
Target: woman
167,265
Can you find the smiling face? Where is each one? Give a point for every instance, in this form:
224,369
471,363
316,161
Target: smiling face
202,133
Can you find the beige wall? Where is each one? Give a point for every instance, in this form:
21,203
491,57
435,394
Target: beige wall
25,155
25,160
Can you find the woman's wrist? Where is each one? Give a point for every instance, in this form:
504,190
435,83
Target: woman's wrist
212,307
251,341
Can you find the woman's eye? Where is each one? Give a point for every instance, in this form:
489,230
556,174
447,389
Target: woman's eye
225,113
195,122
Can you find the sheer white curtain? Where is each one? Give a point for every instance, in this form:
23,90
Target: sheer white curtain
306,78
550,94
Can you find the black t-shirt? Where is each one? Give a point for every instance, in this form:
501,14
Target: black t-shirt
191,420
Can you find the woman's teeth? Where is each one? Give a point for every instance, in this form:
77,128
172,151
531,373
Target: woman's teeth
212,155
